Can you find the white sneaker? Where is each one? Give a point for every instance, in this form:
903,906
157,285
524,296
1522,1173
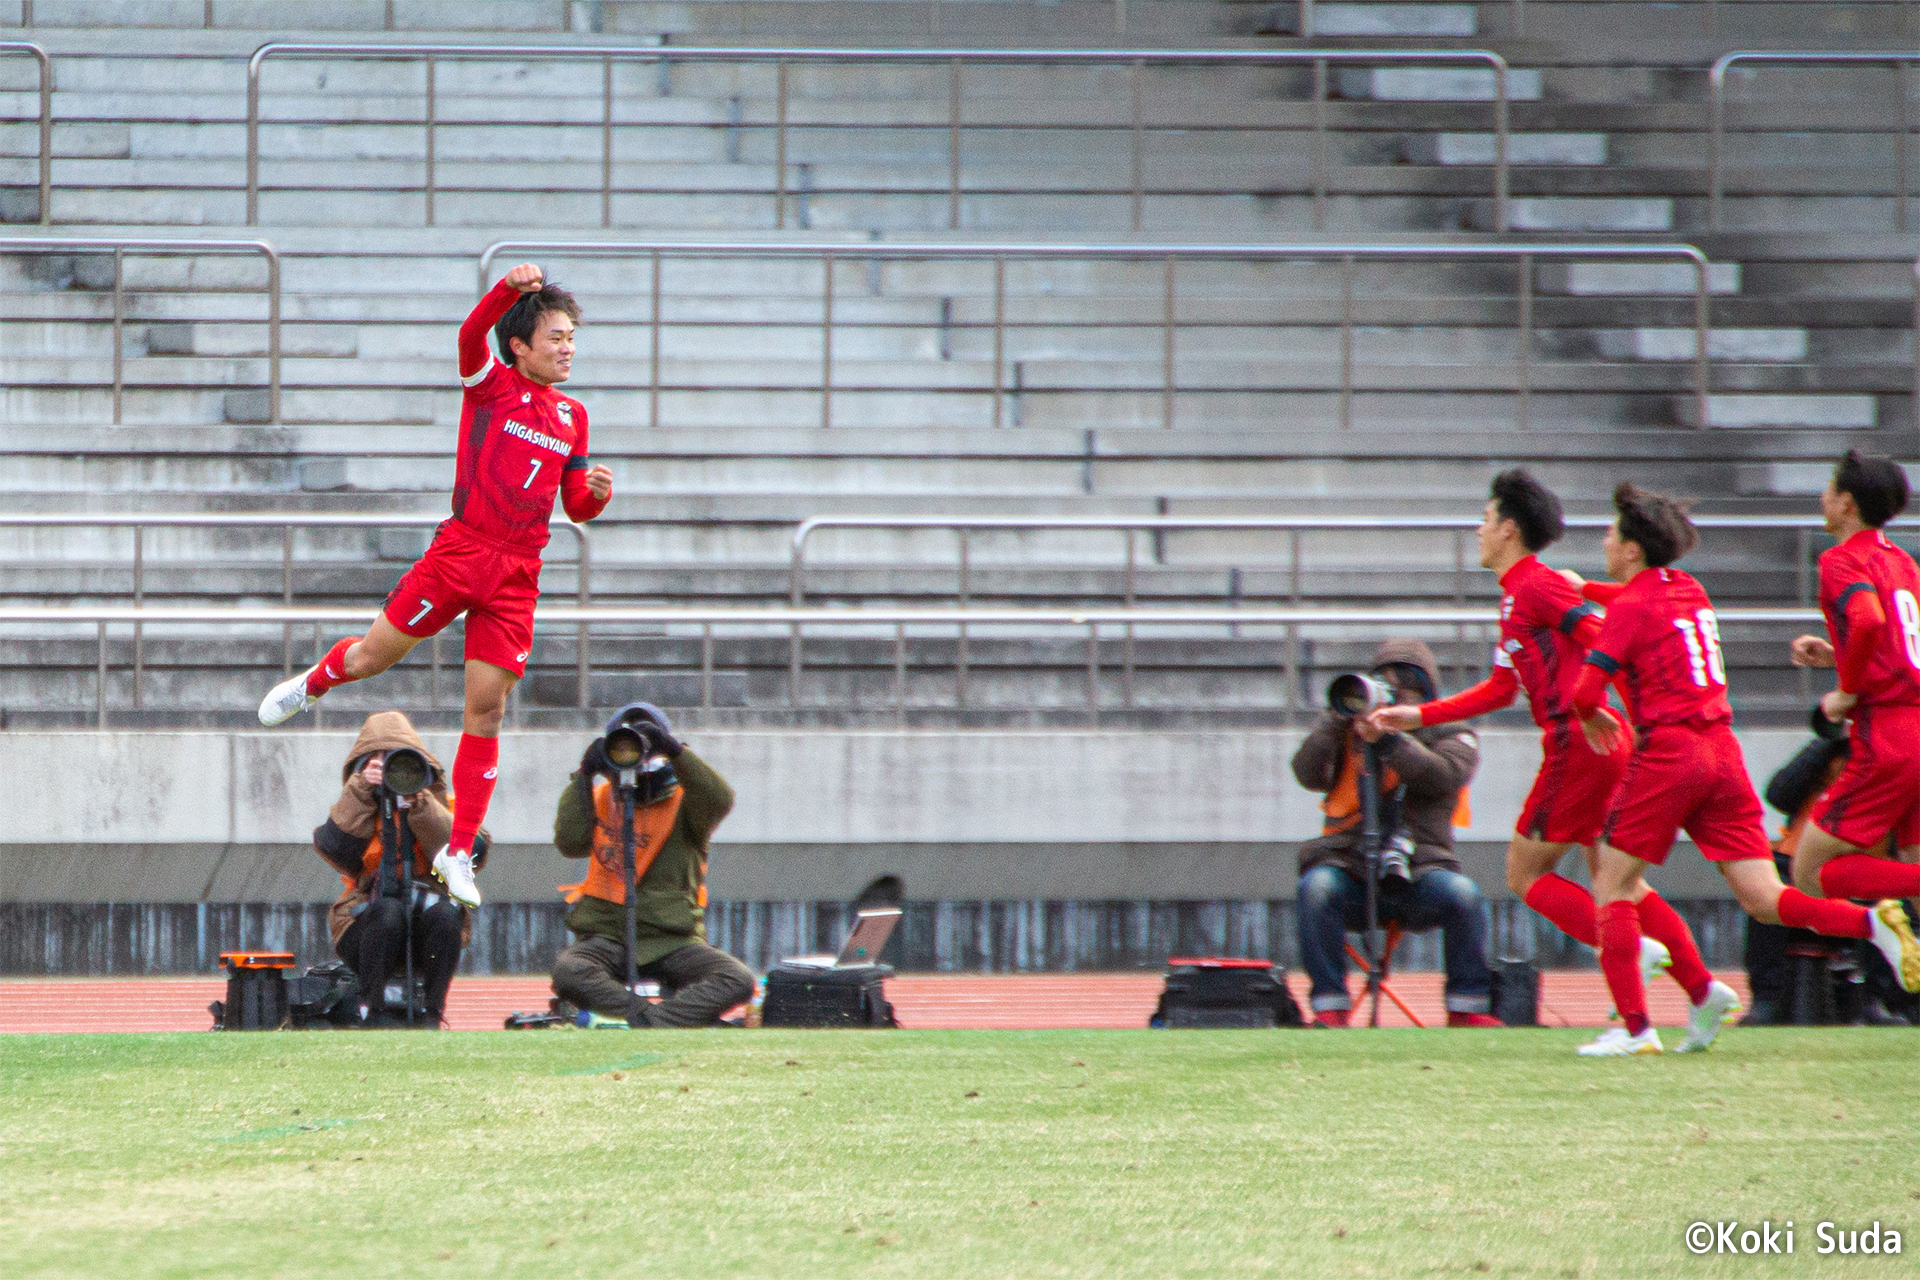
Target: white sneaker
1614,1042
287,700
1894,936
1655,960
1705,1019
456,872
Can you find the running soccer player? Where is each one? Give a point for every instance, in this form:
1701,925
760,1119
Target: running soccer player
521,443
1870,594
1546,627
1688,772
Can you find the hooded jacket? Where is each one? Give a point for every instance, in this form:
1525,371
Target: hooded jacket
1434,764
671,898
349,839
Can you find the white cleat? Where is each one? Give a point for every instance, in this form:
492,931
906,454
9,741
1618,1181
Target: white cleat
287,700
1614,1042
1894,936
1705,1019
1655,960
456,872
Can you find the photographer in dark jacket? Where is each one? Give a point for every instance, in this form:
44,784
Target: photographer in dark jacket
370,933
687,800
1422,787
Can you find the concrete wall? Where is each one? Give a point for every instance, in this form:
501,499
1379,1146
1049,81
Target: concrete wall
227,817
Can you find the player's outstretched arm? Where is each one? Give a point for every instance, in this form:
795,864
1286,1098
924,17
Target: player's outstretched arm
525,278
1498,690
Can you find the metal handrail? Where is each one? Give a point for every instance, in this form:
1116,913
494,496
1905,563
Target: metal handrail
139,523
39,55
1717,106
168,249
898,618
955,59
1127,526
1168,254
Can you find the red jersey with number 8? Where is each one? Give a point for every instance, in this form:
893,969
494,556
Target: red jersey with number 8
1888,673
1661,638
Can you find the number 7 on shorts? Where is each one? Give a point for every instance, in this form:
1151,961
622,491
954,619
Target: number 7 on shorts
426,607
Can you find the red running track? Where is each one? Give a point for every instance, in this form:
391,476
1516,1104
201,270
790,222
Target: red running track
1570,998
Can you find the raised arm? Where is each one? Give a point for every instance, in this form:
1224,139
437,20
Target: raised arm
474,356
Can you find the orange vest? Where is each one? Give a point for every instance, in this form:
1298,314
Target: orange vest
370,860
652,824
1342,805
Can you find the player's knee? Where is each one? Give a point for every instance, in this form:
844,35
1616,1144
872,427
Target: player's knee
1520,877
1806,877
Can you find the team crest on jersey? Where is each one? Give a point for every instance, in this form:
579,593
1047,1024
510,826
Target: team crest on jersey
563,411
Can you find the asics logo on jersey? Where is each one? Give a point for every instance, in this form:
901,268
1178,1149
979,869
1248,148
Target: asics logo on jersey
541,439
519,657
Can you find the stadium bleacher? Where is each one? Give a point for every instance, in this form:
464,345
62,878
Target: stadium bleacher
1812,305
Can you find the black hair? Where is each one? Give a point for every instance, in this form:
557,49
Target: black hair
1656,522
523,317
1878,486
1532,507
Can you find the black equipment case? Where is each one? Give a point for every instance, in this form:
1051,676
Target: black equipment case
256,990
1224,992
808,996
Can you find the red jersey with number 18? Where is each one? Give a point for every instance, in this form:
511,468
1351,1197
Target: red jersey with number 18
1876,648
1661,637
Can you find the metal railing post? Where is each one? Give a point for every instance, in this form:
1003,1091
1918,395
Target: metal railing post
1127,652
119,263
430,115
1524,356
1000,332
826,340
1319,144
1093,674
1166,343
286,599
1134,74
1346,341
961,665
606,143
583,592
1902,142
273,333
953,145
139,599
780,145
653,346
706,665
100,680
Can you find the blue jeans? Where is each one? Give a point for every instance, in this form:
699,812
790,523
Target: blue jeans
1331,902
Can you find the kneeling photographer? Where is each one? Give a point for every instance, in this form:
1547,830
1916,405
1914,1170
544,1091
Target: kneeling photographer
643,807
1420,777
394,803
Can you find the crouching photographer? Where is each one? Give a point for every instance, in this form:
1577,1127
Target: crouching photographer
394,803
642,808
1420,779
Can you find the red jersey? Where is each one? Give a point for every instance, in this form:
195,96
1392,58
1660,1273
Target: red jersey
1870,594
1661,637
1545,628
521,443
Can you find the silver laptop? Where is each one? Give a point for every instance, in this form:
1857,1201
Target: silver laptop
871,929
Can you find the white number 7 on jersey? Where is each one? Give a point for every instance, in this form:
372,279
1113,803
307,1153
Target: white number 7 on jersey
531,474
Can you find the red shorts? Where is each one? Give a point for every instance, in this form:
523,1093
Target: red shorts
1571,793
1879,790
1692,780
464,573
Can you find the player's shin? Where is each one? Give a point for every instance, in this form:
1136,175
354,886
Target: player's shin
1664,925
331,671
475,769
1822,915
1567,905
1620,962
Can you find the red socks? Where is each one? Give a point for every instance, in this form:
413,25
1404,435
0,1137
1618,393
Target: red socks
1860,875
332,669
1823,915
1664,925
475,768
1567,905
1620,963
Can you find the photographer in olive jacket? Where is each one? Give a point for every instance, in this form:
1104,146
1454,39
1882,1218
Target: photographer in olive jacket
370,934
1422,886
683,801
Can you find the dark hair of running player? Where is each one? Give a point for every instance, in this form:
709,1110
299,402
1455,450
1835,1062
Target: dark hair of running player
1532,507
1878,486
523,317
1656,522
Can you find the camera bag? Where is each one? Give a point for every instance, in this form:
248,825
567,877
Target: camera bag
1515,996
256,991
1218,991
809,996
328,996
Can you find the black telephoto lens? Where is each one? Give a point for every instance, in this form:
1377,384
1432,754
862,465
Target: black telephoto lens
626,747
407,771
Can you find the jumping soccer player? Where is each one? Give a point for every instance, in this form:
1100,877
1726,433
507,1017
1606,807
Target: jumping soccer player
1688,772
521,442
1870,594
1546,627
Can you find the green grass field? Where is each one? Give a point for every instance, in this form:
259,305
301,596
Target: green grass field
944,1153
